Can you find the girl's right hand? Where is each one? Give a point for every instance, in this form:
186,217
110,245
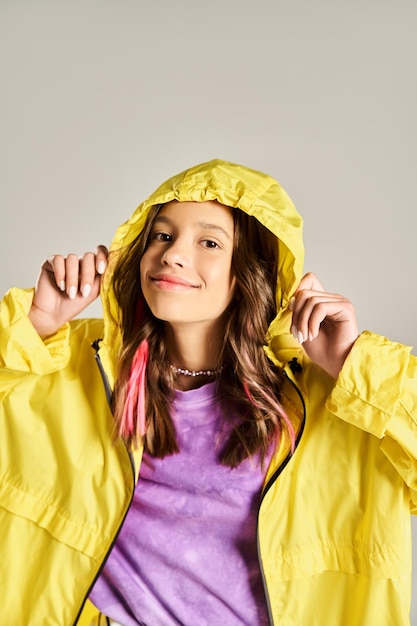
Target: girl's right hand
65,287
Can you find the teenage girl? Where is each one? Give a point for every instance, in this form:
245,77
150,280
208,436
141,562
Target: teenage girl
232,451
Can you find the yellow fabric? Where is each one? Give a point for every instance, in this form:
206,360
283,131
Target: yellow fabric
334,523
56,458
90,615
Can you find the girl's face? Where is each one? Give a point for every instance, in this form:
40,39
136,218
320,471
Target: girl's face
185,272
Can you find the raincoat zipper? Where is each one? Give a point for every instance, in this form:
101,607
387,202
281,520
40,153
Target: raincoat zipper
269,484
108,392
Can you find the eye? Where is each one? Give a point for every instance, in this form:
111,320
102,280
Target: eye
209,243
160,236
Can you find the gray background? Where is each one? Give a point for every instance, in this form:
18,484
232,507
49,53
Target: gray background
102,100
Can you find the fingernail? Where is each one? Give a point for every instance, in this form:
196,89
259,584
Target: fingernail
300,337
310,336
86,290
72,292
291,304
62,285
101,267
294,332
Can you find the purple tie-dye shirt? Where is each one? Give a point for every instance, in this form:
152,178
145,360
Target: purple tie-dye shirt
187,551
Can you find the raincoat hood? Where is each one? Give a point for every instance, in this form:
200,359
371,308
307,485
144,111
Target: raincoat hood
235,186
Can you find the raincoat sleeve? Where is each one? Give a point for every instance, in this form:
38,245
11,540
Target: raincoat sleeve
377,392
21,348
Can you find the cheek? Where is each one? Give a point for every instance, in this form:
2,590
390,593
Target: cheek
226,282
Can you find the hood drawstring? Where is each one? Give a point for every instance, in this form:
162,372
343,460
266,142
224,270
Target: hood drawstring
136,395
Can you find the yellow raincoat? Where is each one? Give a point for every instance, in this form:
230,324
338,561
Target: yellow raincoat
334,522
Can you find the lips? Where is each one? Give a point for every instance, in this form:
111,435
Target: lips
171,282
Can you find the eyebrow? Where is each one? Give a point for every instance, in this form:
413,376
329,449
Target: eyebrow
204,225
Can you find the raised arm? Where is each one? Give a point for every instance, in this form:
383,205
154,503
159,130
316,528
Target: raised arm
376,386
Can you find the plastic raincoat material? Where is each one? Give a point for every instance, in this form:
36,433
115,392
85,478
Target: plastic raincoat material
334,533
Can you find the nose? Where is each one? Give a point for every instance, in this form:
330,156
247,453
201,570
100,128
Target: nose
175,254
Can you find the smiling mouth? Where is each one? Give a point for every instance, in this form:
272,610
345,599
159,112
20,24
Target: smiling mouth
172,283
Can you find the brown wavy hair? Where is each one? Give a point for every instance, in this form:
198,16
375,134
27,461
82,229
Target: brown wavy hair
249,385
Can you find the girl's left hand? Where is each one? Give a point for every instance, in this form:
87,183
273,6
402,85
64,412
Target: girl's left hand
325,323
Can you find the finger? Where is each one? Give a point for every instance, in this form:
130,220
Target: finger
101,259
311,282
308,284
310,310
87,273
316,309
72,275
299,302
55,267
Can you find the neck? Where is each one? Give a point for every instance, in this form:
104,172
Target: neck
195,349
